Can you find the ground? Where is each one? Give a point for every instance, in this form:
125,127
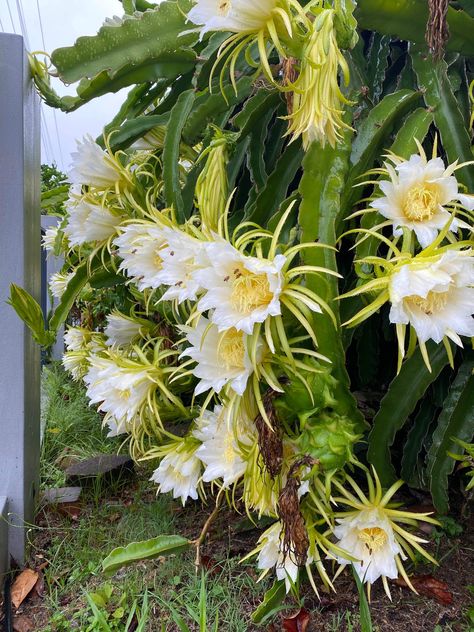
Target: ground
69,544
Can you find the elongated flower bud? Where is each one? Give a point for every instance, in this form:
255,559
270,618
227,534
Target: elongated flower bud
212,184
318,101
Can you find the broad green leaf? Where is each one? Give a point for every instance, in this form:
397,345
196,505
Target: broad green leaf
171,154
454,422
403,394
52,198
276,188
364,609
407,19
208,105
324,179
145,550
373,137
415,440
145,38
439,96
271,601
134,129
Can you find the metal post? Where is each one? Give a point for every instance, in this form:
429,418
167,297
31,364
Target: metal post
19,263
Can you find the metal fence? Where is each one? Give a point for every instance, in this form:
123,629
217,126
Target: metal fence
20,262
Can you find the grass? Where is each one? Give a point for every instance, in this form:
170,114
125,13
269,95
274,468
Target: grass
166,594
114,514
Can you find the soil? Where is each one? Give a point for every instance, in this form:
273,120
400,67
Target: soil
233,535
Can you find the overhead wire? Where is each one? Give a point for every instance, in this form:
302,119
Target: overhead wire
43,40
11,16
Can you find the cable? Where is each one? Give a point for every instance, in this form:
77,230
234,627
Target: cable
41,24
21,17
11,16
1,26
54,111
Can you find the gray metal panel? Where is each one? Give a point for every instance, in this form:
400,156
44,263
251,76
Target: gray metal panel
4,558
19,263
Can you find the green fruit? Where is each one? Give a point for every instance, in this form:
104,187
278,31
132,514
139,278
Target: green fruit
297,399
329,438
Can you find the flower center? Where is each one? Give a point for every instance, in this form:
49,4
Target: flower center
434,302
125,393
374,538
232,349
223,7
249,291
229,452
422,202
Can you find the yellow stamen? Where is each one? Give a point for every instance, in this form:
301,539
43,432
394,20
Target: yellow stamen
422,202
224,7
232,349
434,302
249,291
374,538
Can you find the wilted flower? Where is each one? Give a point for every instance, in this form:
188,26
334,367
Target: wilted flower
435,296
371,532
179,471
222,358
92,166
418,196
241,290
317,100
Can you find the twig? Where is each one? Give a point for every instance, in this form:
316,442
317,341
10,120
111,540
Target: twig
207,525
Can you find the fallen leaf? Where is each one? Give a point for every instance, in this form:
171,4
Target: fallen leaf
298,622
428,586
211,565
23,624
22,586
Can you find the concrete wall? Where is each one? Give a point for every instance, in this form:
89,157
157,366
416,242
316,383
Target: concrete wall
19,263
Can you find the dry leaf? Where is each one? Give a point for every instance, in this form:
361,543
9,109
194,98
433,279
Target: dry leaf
23,624
428,586
22,586
298,622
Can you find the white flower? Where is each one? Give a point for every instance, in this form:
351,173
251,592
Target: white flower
179,472
241,290
76,338
76,363
435,297
271,555
182,258
119,391
140,247
49,238
220,451
93,166
416,196
368,536
238,16
58,283
121,330
222,358
89,222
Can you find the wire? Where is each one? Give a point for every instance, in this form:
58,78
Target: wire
43,39
11,16
41,24
21,17
1,26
